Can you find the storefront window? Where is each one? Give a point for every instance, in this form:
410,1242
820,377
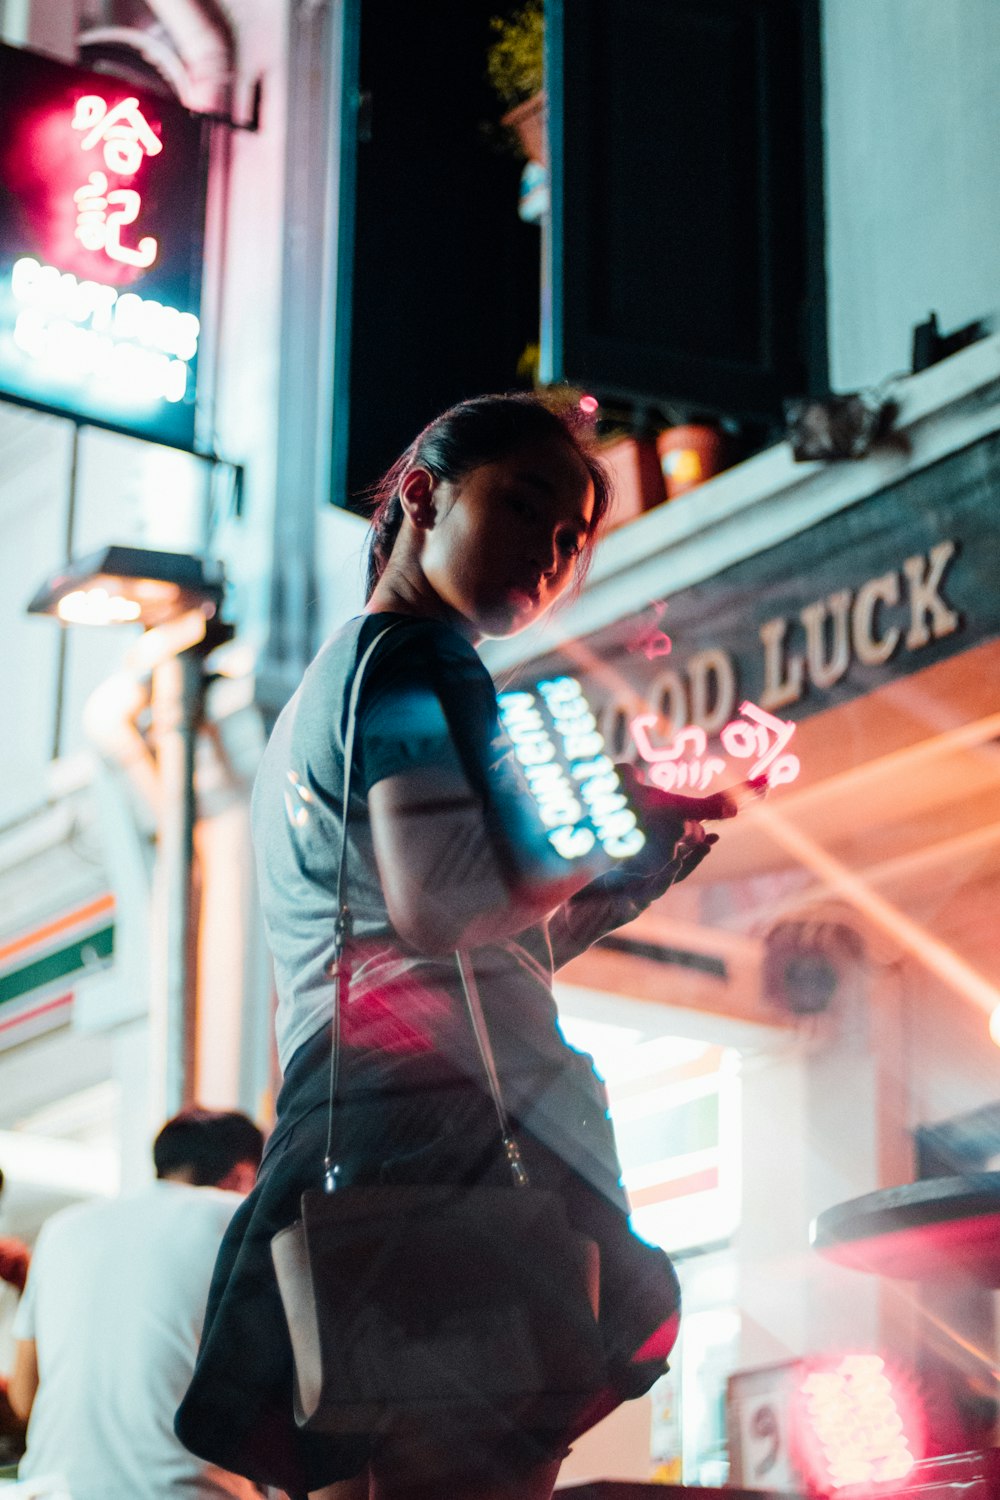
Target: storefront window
675,1103
811,1019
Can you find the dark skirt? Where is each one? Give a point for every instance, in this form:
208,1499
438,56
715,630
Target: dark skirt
238,1410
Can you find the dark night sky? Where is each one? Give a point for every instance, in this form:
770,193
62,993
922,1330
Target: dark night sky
445,274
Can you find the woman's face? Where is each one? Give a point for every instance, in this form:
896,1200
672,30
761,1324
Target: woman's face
507,535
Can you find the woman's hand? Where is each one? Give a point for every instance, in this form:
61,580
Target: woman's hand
674,822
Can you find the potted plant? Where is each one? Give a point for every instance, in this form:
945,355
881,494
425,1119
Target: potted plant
690,453
515,70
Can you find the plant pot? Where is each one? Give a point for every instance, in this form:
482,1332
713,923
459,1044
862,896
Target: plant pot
636,477
689,455
527,121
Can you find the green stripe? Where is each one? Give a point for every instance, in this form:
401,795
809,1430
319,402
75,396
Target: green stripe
691,1126
58,965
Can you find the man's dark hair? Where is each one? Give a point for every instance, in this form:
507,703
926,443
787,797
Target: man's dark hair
207,1143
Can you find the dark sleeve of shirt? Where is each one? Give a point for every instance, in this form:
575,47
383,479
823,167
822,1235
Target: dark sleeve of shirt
427,700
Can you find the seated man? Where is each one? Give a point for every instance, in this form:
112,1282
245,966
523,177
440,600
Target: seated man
109,1324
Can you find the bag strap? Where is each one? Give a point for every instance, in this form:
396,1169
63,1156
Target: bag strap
467,974
342,921
338,973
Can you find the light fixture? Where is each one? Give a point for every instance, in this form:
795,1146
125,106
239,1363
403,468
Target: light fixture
173,596
120,585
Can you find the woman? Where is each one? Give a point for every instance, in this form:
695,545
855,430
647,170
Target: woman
479,528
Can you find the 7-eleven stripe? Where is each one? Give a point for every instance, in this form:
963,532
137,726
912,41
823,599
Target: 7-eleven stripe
54,928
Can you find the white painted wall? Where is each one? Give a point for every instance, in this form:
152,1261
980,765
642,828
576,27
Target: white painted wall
912,121
138,493
33,474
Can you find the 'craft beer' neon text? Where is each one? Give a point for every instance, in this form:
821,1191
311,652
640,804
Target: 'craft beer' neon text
574,783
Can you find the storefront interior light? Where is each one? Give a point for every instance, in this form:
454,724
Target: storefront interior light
935,955
124,585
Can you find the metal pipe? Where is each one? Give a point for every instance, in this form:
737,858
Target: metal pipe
178,693
203,38
72,486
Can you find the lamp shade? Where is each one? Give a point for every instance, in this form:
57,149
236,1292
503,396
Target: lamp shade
120,585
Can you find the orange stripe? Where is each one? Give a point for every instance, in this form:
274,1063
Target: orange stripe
698,1067
59,924
38,1010
677,1187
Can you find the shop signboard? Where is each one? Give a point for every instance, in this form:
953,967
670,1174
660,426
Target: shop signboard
43,966
894,583
102,198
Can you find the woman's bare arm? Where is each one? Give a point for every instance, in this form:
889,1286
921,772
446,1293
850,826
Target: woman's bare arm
443,882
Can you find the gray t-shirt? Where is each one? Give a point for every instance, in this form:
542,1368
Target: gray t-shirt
426,699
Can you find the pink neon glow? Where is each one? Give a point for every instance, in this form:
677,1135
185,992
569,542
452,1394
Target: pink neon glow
685,762
854,1426
667,770
589,405
102,211
124,130
651,640
99,229
743,741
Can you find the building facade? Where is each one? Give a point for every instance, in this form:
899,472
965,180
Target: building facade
806,1020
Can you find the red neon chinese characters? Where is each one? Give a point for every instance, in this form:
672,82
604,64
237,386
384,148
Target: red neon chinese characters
685,761
100,216
102,211
124,130
668,770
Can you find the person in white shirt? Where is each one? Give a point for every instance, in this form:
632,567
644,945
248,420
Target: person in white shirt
109,1324
15,1258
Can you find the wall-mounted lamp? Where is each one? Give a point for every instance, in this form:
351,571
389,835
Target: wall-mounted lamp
174,596
125,585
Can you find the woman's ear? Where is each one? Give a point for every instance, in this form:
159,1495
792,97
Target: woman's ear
416,495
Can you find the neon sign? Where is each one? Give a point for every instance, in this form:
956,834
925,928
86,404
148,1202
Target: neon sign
853,1430
650,639
685,762
124,130
100,217
573,780
101,213
137,350
101,209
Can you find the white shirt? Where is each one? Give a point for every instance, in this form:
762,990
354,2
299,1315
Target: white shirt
8,1312
115,1302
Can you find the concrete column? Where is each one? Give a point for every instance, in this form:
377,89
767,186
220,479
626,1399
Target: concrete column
43,25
